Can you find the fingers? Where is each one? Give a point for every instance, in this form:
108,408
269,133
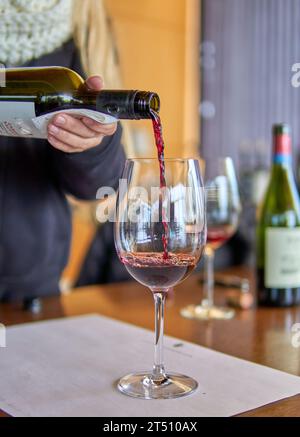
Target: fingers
71,148
73,139
84,127
70,124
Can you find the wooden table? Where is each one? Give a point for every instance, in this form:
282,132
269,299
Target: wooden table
260,335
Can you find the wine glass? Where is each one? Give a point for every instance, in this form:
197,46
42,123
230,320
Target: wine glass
160,233
223,209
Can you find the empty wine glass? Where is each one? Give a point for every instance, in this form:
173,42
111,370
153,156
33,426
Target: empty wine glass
222,211
160,234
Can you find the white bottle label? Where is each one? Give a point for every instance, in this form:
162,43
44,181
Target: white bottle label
18,119
282,258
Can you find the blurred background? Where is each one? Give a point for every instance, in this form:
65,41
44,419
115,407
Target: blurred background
223,70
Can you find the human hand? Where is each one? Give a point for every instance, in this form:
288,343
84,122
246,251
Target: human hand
71,134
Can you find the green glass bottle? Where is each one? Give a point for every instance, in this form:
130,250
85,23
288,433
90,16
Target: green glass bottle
278,229
30,97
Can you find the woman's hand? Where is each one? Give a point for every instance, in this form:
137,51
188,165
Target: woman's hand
71,134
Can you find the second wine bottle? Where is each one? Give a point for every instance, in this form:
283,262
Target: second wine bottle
278,230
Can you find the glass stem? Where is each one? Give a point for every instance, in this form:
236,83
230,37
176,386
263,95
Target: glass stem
158,373
209,282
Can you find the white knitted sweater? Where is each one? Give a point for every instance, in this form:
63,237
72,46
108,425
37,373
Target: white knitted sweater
32,28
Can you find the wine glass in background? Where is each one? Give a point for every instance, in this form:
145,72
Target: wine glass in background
160,234
223,209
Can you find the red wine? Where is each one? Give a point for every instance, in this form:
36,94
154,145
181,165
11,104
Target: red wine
160,145
156,272
216,236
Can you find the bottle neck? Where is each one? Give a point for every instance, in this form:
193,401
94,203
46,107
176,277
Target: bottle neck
282,161
118,104
282,150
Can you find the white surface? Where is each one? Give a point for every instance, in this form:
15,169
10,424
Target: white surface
69,367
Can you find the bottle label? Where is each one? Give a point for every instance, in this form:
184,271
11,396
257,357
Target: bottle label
282,258
18,119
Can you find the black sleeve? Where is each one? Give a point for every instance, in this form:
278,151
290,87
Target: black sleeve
82,174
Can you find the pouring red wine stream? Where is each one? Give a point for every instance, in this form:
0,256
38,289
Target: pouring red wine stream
160,145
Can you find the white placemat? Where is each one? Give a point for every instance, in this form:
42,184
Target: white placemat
69,367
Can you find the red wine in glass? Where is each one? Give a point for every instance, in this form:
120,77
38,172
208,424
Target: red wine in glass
217,236
160,267
156,272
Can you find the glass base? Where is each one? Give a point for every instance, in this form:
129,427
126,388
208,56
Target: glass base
141,385
202,312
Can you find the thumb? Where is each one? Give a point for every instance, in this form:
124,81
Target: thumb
94,83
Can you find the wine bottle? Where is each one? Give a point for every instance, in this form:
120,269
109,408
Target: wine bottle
32,96
278,230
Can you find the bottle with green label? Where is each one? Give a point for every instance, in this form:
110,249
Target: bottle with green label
278,229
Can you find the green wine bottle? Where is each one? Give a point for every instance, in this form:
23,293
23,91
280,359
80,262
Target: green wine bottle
278,230
30,97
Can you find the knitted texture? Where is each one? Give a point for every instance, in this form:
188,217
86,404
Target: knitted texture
32,28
